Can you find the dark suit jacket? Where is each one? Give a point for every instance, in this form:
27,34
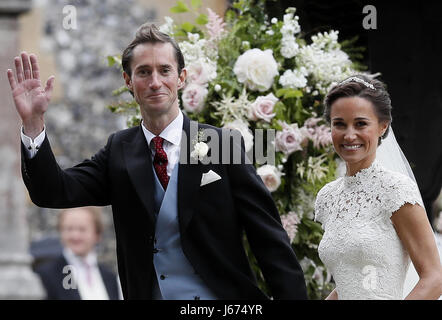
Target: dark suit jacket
51,275
212,218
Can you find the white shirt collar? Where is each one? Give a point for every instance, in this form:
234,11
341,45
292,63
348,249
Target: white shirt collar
172,133
72,258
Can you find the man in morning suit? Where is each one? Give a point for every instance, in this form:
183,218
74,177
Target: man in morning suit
178,236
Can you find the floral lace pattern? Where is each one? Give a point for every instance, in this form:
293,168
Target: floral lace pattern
360,245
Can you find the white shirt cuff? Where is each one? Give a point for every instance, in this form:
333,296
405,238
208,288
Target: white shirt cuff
32,146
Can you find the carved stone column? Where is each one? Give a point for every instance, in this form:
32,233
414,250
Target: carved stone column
17,281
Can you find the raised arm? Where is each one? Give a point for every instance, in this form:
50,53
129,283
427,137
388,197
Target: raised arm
30,98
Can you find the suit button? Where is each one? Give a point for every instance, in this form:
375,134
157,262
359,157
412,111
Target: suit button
155,250
162,277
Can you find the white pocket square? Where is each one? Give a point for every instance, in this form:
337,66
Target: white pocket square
209,177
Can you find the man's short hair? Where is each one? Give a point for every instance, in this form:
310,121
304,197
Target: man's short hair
95,213
149,33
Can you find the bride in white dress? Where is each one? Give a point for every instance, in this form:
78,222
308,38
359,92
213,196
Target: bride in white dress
374,220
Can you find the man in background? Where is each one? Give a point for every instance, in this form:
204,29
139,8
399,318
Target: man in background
76,273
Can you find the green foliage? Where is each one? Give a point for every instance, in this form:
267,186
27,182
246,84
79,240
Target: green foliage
179,8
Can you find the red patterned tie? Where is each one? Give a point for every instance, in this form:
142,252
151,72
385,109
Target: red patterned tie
160,161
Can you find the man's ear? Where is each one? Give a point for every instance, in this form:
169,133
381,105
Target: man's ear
128,81
182,78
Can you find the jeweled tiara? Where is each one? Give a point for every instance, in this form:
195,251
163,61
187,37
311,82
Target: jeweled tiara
356,79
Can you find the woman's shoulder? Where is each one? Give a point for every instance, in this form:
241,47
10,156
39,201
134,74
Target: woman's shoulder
398,189
396,180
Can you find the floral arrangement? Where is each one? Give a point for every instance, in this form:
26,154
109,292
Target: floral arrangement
247,72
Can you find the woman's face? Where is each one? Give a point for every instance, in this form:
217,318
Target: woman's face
355,131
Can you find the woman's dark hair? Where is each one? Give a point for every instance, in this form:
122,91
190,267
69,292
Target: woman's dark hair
370,89
149,33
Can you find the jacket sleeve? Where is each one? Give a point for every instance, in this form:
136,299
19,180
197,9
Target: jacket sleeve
267,238
49,186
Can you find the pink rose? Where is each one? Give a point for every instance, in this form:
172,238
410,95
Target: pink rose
197,73
320,135
262,108
193,97
271,176
289,139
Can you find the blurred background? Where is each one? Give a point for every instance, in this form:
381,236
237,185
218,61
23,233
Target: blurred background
405,48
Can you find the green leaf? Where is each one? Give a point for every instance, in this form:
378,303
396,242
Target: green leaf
202,19
281,92
187,26
293,94
180,33
196,4
119,91
179,8
111,60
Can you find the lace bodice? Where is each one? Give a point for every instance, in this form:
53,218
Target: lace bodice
360,246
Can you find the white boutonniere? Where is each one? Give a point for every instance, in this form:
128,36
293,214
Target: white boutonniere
200,148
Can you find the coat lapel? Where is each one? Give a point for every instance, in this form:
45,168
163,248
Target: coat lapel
189,178
139,166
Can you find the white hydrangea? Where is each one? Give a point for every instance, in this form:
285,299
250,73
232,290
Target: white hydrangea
290,27
289,47
294,78
325,61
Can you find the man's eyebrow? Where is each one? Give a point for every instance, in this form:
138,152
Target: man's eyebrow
166,65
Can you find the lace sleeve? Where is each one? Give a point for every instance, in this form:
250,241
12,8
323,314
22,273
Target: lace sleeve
320,205
399,191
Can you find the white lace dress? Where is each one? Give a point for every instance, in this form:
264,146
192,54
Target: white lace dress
360,246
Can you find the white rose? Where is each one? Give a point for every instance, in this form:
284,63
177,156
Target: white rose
289,139
256,69
193,97
262,108
200,150
270,175
243,128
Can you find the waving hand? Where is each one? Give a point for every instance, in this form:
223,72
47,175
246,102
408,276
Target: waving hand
30,98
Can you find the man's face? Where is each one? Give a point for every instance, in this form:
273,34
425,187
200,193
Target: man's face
78,232
155,81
